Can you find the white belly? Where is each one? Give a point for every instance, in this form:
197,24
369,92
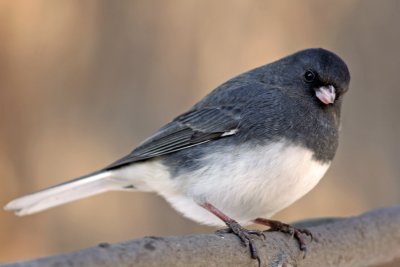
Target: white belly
243,182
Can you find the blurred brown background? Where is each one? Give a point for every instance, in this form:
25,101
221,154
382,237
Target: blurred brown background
83,82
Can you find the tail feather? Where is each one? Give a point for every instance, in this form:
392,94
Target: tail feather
60,194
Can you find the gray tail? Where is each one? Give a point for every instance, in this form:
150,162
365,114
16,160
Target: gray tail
85,186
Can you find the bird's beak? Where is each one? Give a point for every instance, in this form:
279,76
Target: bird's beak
326,94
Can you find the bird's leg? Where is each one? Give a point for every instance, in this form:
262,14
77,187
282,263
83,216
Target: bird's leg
288,229
234,227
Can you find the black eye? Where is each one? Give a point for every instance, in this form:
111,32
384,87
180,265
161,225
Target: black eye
309,76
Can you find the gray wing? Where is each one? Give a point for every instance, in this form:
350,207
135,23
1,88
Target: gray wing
190,129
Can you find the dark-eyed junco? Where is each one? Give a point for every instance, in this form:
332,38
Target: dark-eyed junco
250,148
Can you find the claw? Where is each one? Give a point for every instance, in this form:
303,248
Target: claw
234,227
245,237
257,233
288,229
307,233
302,245
223,231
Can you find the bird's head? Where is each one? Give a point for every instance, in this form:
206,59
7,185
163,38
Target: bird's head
324,74
314,72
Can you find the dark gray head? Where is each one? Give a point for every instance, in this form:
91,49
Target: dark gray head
316,72
300,99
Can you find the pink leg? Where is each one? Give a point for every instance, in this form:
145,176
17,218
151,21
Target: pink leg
237,229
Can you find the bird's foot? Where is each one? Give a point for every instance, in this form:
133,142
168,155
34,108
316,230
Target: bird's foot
245,237
252,232
234,227
297,233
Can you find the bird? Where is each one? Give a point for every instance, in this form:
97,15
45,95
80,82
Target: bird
248,149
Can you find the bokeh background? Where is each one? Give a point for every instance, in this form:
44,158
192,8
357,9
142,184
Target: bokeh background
83,82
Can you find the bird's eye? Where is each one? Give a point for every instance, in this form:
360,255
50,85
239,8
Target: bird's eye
309,76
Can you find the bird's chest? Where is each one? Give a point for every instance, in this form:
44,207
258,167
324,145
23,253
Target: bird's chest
246,182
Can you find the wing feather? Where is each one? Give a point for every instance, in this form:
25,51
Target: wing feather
192,128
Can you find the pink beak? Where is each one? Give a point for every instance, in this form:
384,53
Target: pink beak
326,94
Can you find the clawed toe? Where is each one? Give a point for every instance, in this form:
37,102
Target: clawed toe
296,233
223,231
300,240
306,232
245,237
257,233
252,232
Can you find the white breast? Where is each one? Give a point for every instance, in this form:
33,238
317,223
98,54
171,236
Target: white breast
244,182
